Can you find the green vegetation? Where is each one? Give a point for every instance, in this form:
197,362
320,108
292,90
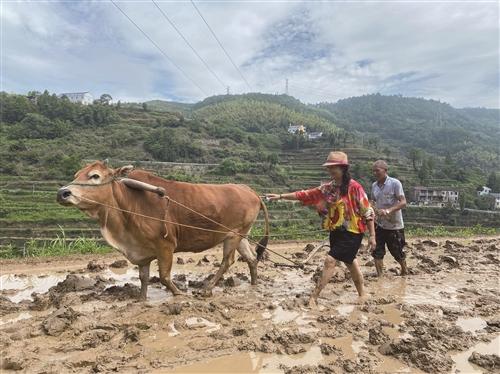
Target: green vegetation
442,231
61,246
239,139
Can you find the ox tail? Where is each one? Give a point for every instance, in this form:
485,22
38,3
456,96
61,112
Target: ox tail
261,247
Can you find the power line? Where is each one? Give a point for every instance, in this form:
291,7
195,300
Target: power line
220,44
189,44
161,50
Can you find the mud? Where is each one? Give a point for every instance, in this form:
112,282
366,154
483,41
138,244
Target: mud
82,315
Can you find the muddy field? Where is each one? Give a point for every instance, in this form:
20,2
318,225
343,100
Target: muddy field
81,315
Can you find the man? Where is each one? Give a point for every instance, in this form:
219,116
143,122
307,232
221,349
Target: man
389,197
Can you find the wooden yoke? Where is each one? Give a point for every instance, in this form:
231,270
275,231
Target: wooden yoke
138,185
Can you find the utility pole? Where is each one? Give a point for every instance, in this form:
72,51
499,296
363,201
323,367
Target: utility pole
227,90
286,86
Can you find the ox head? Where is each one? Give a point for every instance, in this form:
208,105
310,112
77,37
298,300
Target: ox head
91,187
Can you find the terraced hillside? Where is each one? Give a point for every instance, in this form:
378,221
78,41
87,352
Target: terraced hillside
224,139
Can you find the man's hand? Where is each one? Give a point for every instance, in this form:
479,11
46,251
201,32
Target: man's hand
383,212
372,243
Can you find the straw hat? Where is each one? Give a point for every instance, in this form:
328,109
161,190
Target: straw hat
336,158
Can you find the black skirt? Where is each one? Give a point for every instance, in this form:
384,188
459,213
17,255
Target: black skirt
344,245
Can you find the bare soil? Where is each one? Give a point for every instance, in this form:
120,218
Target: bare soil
80,314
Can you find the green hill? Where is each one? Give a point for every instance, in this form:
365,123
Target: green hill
469,136
234,138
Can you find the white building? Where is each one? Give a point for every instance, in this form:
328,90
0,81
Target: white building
296,129
435,196
314,135
84,98
497,199
484,191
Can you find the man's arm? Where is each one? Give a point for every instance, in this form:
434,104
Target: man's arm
400,205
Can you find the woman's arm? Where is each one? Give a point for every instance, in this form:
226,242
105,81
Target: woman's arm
281,196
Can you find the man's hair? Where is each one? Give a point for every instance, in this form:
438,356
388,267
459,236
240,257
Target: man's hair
381,164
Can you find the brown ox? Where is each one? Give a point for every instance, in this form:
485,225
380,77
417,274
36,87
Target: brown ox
96,189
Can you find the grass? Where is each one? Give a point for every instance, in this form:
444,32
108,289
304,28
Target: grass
442,231
61,246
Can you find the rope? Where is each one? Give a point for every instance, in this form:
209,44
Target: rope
190,226
230,230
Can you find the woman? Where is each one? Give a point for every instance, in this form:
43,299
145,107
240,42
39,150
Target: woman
347,215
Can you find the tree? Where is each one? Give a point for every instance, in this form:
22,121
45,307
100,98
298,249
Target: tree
105,99
145,107
493,182
486,202
14,107
423,173
415,156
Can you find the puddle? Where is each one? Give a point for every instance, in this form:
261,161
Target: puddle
20,317
393,366
18,288
162,341
471,324
391,314
461,360
28,284
252,363
347,344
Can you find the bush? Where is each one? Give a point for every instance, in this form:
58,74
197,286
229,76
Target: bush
232,166
36,126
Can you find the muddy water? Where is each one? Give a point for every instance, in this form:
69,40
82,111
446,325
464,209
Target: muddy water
252,363
257,329
21,287
461,363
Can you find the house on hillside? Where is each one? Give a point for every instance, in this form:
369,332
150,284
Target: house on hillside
497,199
314,135
436,196
484,191
84,98
296,129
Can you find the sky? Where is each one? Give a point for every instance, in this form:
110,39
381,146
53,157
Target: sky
329,50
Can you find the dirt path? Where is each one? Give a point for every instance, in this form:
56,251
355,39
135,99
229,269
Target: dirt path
79,314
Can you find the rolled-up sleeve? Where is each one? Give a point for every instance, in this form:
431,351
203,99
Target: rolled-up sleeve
312,196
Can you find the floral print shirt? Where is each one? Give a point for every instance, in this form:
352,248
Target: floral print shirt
350,211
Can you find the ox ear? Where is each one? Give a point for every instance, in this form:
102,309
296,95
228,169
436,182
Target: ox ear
124,170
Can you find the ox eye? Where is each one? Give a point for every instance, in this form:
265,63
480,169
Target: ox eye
94,176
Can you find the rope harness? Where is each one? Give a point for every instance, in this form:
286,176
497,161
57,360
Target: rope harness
169,199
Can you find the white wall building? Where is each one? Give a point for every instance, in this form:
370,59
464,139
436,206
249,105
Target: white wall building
497,199
484,191
435,196
84,98
296,129
314,135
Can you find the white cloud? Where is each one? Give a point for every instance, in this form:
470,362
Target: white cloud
329,51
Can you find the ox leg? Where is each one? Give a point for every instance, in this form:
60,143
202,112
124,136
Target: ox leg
250,258
144,277
165,264
230,246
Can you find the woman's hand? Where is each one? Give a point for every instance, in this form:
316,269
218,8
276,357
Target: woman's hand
273,196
